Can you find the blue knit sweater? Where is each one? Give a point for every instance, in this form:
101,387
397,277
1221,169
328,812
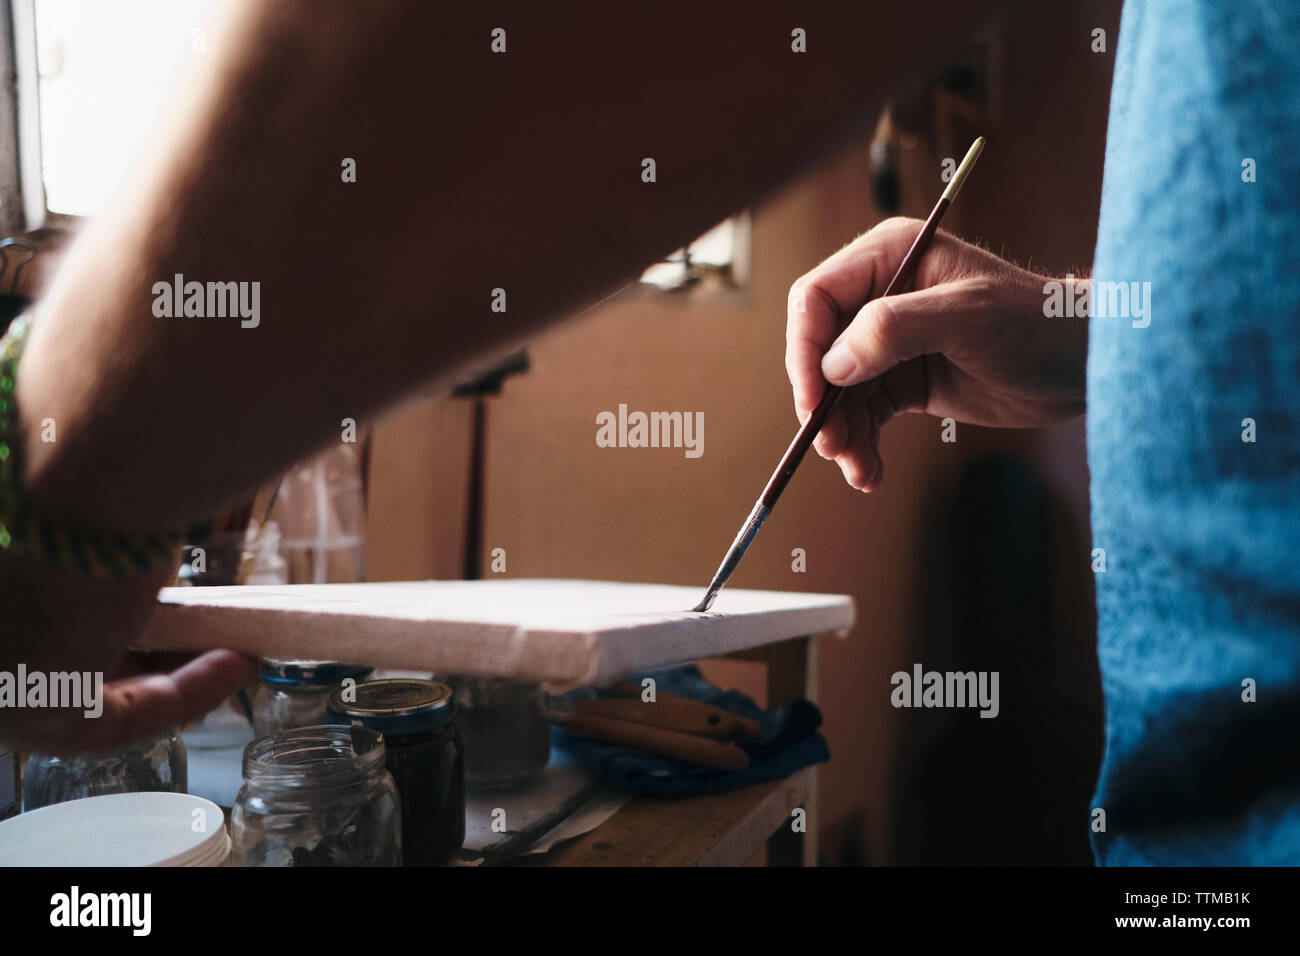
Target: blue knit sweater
1194,437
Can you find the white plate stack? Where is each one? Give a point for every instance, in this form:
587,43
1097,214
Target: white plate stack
121,829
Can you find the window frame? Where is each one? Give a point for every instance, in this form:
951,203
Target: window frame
22,187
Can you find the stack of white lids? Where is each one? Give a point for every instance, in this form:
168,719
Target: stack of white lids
120,829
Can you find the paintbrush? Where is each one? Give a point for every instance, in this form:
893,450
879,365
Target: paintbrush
250,554
808,431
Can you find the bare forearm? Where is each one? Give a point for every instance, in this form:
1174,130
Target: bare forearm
475,171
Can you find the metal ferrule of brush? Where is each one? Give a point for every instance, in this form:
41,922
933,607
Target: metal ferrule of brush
737,551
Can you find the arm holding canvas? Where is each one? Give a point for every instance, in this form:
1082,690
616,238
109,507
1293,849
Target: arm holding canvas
475,171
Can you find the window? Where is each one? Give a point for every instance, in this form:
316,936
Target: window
92,81
106,75
721,255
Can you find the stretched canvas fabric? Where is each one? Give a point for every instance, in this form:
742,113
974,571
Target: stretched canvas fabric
565,633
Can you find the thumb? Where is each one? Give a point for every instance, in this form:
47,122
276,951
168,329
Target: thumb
139,706
889,331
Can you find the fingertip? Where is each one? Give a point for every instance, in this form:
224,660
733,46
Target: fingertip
833,437
878,475
215,674
801,411
846,469
868,473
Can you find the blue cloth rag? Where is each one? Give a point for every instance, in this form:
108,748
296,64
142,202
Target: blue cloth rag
789,741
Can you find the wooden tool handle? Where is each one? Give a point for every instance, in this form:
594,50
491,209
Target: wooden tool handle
699,751
673,713
704,714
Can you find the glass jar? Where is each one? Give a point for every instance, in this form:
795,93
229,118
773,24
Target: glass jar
151,763
321,509
317,796
425,757
504,728
293,693
9,792
214,561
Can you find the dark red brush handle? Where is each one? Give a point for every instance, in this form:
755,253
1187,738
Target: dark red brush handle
804,439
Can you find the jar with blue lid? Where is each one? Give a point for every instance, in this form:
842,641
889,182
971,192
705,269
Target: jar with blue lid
425,758
294,693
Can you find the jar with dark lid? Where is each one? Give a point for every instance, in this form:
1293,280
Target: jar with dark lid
294,693
425,758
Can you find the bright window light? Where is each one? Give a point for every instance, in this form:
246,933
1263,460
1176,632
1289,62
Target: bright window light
107,72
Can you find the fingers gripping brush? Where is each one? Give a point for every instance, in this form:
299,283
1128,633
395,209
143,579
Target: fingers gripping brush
808,431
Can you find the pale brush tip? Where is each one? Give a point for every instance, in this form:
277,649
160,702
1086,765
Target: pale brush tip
963,170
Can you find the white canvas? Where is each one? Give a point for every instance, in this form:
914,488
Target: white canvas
564,633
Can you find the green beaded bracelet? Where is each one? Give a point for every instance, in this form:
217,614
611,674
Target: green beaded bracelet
23,533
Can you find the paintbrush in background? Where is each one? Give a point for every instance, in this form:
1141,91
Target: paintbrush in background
248,558
808,431
216,555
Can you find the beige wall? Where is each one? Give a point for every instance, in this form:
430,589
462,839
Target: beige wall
562,507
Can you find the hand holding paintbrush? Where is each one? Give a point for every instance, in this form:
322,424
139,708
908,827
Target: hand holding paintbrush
813,424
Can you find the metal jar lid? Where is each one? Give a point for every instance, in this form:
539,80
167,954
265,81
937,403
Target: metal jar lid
400,705
311,672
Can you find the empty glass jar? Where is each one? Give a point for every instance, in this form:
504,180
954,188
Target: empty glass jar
317,796
151,763
293,693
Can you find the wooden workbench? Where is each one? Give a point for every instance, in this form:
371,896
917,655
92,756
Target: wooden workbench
565,634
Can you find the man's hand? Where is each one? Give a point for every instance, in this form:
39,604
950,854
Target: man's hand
971,343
